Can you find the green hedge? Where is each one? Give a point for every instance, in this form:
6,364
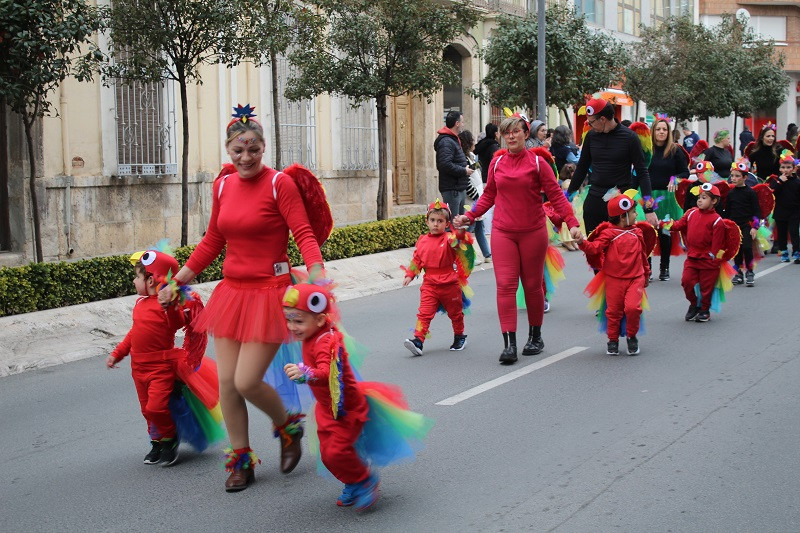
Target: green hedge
41,286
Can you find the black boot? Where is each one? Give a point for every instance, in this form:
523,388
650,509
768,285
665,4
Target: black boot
535,344
509,355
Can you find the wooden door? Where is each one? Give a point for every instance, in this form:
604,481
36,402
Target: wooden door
403,168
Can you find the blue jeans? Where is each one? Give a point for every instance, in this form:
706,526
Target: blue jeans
480,236
455,201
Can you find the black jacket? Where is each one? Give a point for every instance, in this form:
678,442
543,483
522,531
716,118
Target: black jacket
450,162
787,198
610,156
741,205
721,158
767,162
661,169
485,150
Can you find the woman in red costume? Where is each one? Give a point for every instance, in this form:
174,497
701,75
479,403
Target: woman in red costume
253,211
517,178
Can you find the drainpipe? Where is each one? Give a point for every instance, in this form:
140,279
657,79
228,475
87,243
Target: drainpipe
67,164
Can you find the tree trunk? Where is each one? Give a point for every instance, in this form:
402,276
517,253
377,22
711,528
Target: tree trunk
383,207
566,116
5,208
708,128
37,232
184,162
273,62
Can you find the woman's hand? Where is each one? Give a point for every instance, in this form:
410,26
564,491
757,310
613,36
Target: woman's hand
111,362
671,187
461,221
576,234
165,296
407,280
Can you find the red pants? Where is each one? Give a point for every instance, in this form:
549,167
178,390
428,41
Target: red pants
623,296
337,438
694,272
519,256
155,381
430,296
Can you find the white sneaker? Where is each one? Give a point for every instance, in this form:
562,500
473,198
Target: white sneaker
487,259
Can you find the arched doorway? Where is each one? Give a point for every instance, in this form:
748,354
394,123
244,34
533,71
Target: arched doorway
453,95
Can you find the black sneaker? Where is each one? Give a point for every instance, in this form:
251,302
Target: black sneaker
459,341
703,316
154,457
633,345
414,345
169,452
750,278
612,348
691,314
664,275
737,278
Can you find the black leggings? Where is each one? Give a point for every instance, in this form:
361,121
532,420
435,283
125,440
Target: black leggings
745,254
790,227
595,211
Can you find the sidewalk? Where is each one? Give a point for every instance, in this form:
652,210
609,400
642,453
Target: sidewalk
46,338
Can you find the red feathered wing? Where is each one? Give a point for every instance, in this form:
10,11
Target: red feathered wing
733,239
551,213
786,145
650,236
545,154
749,148
699,147
596,260
724,188
227,169
194,342
314,200
766,199
797,146
682,190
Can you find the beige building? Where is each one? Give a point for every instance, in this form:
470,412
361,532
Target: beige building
108,162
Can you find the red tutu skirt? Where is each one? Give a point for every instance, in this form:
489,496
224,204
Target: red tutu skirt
246,311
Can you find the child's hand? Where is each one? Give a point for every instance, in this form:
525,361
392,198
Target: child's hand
111,362
407,280
165,296
292,371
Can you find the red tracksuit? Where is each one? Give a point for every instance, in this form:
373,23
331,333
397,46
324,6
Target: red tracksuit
704,236
154,360
626,269
519,234
436,257
337,436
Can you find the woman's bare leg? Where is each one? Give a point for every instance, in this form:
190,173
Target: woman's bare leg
234,409
254,359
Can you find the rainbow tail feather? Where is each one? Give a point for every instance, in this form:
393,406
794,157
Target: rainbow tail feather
553,270
723,285
392,432
197,425
295,399
521,297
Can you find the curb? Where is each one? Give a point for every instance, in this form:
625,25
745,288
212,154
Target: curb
46,338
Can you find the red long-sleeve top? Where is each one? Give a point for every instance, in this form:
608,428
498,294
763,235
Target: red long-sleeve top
624,251
514,188
253,217
435,255
704,235
153,330
317,354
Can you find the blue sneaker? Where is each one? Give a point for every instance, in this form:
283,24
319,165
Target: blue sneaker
785,256
366,493
796,258
347,498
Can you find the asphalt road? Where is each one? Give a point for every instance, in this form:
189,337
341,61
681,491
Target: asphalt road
698,433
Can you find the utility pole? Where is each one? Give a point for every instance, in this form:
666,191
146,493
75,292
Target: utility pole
540,101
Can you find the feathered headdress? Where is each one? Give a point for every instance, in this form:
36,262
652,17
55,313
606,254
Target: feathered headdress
703,169
706,187
438,204
643,131
788,157
242,114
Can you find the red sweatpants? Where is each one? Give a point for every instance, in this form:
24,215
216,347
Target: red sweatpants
623,296
695,271
155,382
430,296
519,256
337,438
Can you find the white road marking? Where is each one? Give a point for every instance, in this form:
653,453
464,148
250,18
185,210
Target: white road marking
772,269
474,391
